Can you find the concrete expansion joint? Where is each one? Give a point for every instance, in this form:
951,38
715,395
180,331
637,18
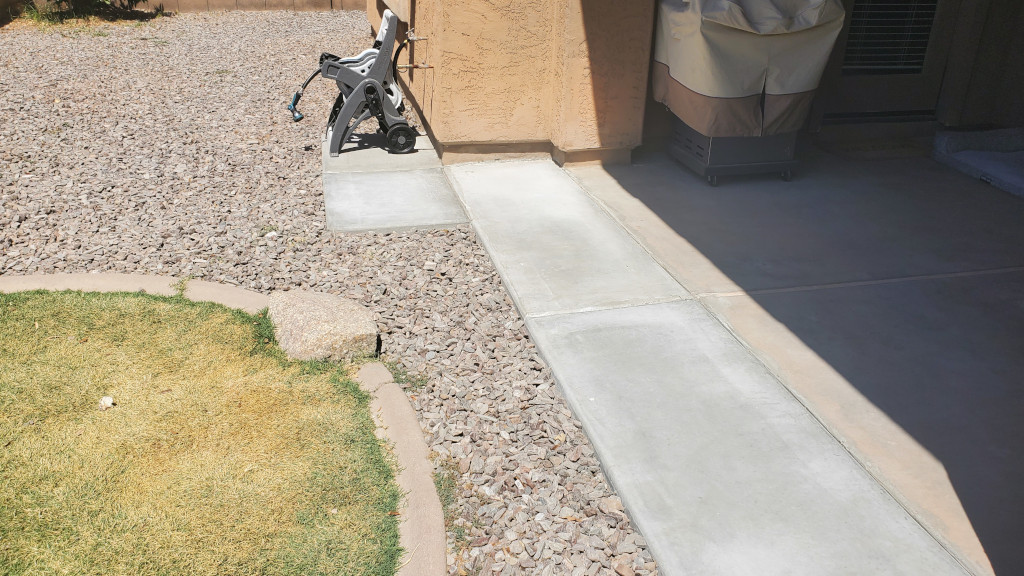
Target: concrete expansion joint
862,283
622,306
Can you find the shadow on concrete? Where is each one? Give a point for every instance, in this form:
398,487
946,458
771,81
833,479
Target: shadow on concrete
903,275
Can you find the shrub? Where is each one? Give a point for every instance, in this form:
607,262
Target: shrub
58,10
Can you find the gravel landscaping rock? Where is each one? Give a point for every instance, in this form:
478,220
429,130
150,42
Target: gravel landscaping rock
316,326
165,148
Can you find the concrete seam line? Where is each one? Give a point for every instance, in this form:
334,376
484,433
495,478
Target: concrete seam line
196,290
421,527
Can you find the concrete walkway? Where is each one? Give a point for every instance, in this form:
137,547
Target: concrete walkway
367,188
885,294
720,466
737,448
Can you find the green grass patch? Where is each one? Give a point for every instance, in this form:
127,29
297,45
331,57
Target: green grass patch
446,476
404,378
219,456
445,483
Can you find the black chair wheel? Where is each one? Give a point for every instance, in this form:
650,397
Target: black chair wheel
713,180
401,139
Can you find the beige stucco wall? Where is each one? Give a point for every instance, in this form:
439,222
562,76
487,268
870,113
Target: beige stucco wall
567,77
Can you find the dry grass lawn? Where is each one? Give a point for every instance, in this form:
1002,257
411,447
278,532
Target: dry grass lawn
219,457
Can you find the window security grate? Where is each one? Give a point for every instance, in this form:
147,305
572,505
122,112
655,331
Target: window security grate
889,37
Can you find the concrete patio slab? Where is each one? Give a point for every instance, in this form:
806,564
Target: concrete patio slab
368,188
935,413
555,248
885,294
724,471
390,200
838,221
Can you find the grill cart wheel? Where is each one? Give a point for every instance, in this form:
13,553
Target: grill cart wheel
401,139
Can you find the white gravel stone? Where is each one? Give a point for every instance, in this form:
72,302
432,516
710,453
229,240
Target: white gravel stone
164,147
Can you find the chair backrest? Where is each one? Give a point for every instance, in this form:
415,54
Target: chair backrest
388,19
375,62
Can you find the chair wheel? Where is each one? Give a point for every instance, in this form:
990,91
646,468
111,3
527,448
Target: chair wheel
713,180
787,175
401,139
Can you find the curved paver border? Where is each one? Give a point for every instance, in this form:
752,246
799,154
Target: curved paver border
197,290
421,529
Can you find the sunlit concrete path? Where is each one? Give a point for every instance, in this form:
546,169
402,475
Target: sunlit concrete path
721,467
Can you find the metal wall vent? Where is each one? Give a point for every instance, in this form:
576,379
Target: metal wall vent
889,37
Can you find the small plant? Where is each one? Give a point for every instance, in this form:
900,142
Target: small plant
404,378
445,483
181,285
265,342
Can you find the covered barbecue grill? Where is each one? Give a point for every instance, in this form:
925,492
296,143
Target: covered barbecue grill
740,76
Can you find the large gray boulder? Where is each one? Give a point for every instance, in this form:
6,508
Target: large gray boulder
314,326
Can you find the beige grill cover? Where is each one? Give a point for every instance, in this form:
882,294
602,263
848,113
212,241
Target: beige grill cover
714,58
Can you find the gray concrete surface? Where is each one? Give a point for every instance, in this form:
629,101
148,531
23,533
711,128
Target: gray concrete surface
421,528
384,201
920,379
886,295
556,250
721,467
368,188
838,221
